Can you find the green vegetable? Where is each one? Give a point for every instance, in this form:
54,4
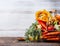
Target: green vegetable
33,33
57,27
55,23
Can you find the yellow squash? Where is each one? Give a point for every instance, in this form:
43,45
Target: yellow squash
43,15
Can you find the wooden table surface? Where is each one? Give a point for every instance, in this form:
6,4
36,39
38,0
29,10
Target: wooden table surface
11,41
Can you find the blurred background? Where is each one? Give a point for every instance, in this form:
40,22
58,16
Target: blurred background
17,15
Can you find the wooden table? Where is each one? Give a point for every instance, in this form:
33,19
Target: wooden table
11,41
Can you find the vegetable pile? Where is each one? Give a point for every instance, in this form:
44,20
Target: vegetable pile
47,26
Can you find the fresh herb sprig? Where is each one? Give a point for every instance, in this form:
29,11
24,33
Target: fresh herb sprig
33,33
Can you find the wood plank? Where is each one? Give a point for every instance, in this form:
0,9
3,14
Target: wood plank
12,41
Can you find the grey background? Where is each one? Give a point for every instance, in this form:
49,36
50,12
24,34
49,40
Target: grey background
17,15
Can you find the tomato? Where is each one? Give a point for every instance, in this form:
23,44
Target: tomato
50,28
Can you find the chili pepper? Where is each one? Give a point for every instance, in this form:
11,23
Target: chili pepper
43,24
44,30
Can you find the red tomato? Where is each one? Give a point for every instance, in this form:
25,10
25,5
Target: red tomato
50,28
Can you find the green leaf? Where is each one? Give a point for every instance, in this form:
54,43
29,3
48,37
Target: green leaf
33,31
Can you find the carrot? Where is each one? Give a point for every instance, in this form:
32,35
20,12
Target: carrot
50,36
55,39
53,33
